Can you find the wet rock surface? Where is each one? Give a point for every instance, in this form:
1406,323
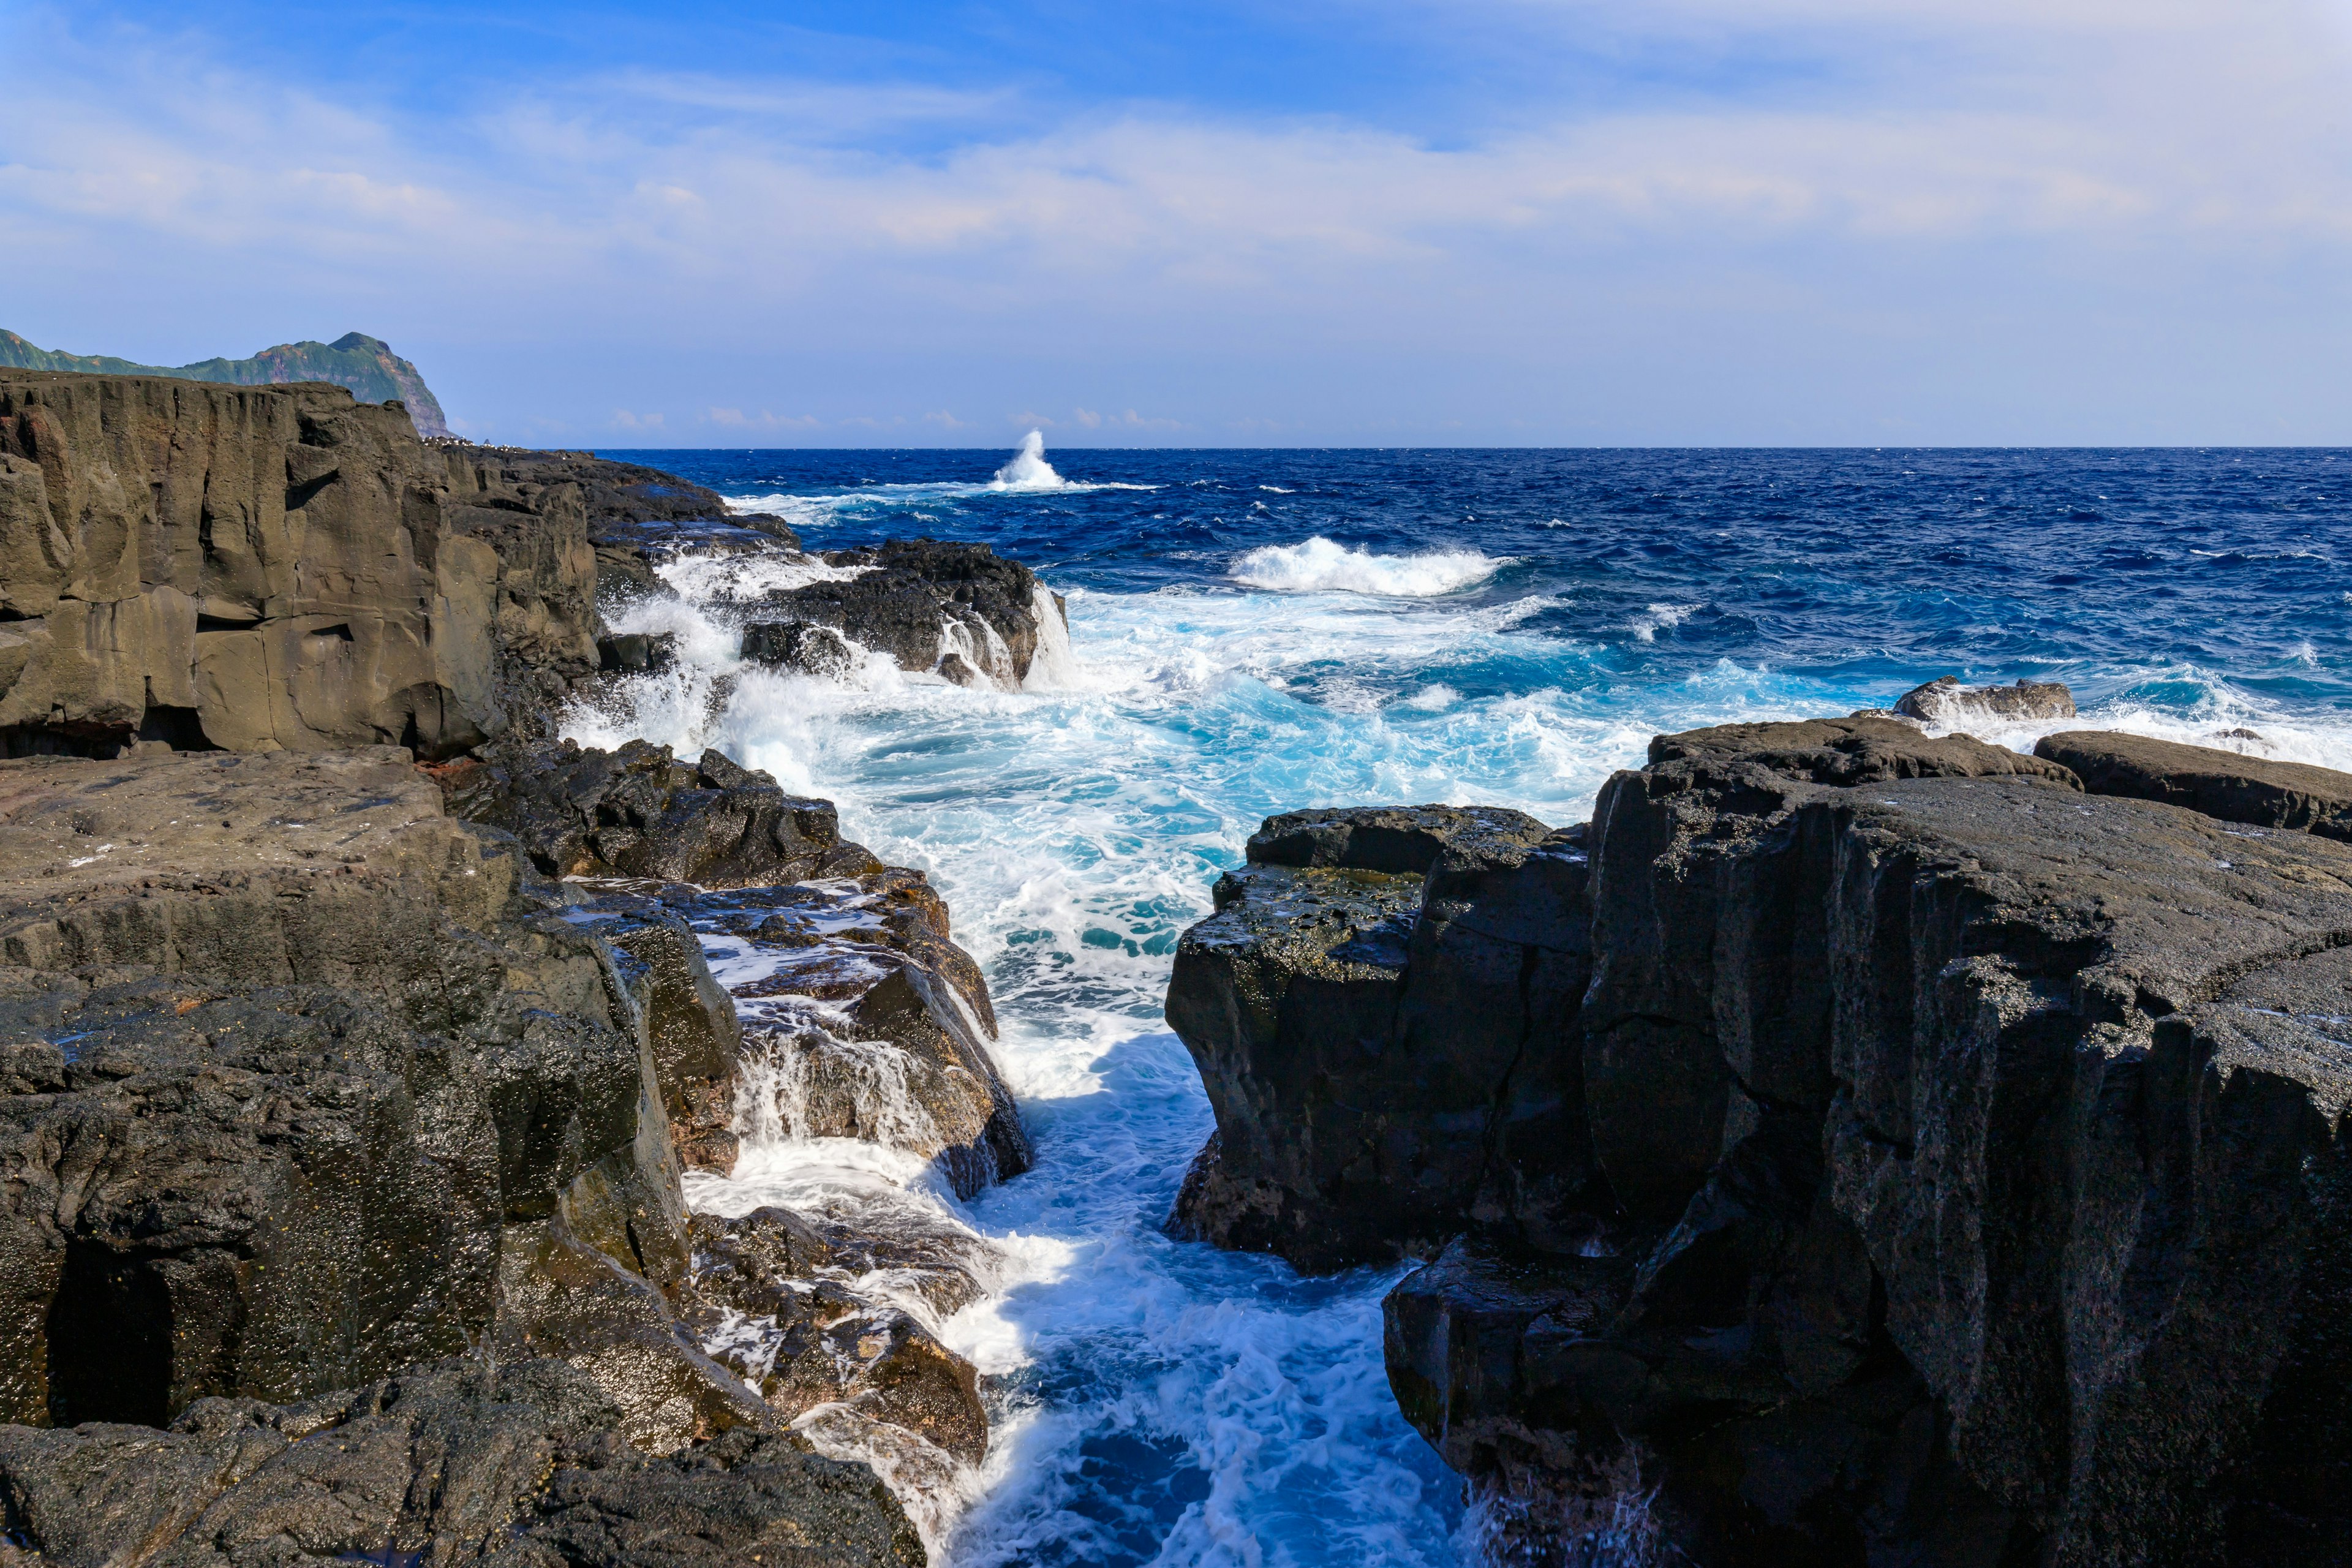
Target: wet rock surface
801,649
641,812
304,1084
952,609
1940,1163
519,1464
1948,703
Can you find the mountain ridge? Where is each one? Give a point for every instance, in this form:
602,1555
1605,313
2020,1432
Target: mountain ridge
365,365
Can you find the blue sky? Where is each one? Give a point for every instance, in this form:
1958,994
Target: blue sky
1337,222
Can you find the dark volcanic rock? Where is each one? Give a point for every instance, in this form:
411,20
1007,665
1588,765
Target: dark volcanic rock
1395,839
1946,702
638,812
925,602
2263,793
293,1062
1964,1176
1357,1117
520,1465
801,648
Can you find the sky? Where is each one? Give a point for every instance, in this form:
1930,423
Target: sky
1205,223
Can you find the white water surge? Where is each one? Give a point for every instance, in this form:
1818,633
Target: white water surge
1157,1402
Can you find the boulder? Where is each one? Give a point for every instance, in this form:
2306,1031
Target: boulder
258,568
635,653
1399,840
801,649
520,1465
2292,796
1950,705
640,812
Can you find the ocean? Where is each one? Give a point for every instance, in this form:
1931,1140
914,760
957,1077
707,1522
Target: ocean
1259,630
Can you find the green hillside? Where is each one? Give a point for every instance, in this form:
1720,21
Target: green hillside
365,365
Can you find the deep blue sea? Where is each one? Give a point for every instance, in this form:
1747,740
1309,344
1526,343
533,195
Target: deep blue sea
1255,631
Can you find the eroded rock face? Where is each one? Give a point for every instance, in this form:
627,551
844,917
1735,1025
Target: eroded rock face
1356,1114
521,1464
259,568
1963,1175
297,1068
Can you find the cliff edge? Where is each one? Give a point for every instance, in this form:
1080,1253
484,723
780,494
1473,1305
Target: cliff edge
362,365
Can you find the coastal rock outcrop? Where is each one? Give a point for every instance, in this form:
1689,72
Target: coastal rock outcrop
366,367
270,568
957,610
1962,1174
2291,797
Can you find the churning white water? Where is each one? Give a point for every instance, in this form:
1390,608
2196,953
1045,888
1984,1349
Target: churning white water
1028,469
1157,1402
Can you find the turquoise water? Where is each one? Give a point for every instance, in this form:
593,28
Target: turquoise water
1260,631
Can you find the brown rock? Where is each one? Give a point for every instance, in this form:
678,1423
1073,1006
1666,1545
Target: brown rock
2295,796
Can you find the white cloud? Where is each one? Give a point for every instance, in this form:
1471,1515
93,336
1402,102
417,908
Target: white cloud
710,214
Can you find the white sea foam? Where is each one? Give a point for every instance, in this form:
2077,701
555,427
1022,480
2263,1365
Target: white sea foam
1152,1400
1027,470
1321,566
1656,619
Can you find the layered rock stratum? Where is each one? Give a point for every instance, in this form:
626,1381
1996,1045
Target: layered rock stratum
1852,1147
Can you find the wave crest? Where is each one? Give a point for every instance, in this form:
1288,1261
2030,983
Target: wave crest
1322,566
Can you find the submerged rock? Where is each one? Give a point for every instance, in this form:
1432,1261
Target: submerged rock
1948,703
1942,1163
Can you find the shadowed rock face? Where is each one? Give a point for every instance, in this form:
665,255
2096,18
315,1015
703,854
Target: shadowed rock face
1962,1180
521,1465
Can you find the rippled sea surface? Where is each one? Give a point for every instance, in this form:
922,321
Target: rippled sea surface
1257,631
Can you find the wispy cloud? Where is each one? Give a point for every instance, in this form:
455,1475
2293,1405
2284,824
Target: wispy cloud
755,226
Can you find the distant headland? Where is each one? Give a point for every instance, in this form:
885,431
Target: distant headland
367,365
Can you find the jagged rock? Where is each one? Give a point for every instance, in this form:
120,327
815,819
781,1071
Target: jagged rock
2253,790
813,1339
639,812
1965,1177
294,1055
899,1053
258,568
1357,1116
925,603
518,1464
1946,702
803,648
688,1019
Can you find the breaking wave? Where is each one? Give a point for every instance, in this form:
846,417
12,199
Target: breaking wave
1322,566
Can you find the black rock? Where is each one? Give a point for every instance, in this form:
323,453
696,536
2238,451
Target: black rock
2294,796
803,648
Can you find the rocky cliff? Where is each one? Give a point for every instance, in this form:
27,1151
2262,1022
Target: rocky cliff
362,365
340,1144
1852,1147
